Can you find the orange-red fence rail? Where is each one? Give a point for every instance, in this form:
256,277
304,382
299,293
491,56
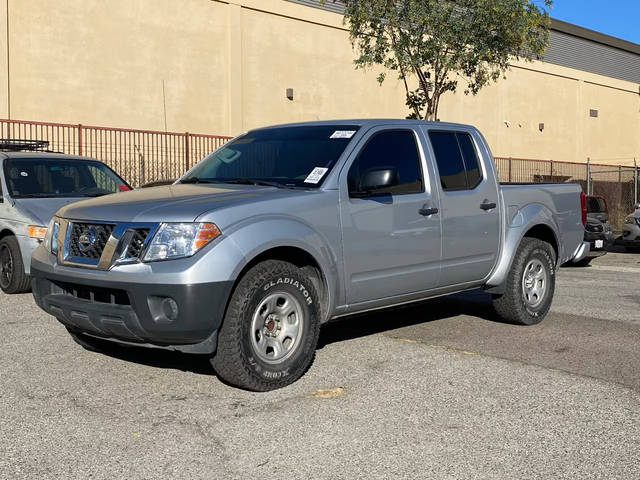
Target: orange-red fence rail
140,156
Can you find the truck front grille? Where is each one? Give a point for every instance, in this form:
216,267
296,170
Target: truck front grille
110,296
136,245
87,240
104,245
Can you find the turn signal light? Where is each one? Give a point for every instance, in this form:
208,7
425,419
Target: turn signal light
207,232
36,231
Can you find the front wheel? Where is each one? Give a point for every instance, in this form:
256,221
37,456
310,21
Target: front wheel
530,284
270,330
12,276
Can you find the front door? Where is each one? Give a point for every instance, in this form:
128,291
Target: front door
391,237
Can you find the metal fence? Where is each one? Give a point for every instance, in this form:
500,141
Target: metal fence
139,156
142,156
618,184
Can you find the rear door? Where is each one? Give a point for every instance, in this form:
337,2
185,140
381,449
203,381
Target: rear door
391,240
469,206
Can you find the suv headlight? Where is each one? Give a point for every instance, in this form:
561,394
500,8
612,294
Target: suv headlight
180,240
630,220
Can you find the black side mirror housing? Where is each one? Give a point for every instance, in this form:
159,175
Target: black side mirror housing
376,179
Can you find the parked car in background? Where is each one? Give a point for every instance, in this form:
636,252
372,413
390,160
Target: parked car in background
631,231
285,228
33,185
598,230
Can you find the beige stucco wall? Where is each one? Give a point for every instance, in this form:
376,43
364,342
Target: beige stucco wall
4,70
226,66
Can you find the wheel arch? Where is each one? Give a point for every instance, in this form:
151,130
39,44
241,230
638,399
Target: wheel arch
532,221
5,232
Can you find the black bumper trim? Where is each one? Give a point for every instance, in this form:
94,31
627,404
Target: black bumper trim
194,329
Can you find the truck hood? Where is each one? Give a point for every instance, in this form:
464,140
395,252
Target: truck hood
42,210
173,203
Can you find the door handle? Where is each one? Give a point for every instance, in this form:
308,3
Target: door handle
487,205
425,211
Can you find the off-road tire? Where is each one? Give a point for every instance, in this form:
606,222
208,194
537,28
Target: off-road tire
19,282
236,361
511,306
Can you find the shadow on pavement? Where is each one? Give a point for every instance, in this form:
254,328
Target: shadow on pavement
474,303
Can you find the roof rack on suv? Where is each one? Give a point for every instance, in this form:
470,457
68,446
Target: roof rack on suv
14,145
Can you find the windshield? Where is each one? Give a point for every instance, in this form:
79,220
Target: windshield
52,177
596,205
281,156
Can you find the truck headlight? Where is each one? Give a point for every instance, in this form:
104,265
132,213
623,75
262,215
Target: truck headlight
180,240
51,237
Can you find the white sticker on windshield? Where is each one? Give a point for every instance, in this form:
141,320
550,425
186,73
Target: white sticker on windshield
316,175
343,134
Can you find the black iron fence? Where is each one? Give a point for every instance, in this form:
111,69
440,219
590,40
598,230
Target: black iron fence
618,184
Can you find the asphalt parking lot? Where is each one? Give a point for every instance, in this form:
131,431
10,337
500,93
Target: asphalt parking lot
438,390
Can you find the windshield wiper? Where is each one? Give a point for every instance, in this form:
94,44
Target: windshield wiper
36,195
254,181
196,180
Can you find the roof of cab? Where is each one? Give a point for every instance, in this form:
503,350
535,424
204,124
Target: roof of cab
371,122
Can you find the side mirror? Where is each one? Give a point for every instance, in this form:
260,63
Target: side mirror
376,179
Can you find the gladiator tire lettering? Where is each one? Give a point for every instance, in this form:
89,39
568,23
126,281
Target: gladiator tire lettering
236,361
293,283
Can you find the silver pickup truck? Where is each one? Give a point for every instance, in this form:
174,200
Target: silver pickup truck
285,228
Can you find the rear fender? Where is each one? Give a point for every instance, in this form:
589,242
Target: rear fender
524,220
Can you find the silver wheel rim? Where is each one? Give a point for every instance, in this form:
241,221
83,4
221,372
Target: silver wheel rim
6,266
534,283
276,327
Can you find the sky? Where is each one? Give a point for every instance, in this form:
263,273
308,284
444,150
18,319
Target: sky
619,18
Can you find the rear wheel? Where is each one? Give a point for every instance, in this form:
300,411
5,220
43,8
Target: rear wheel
270,331
12,276
530,284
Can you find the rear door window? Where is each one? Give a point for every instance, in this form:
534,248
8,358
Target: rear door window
457,160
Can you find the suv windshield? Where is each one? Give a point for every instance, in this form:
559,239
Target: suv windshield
281,156
596,205
53,177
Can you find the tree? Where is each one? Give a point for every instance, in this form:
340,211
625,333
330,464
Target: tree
437,43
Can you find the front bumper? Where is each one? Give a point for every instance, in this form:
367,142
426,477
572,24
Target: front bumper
134,312
631,234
